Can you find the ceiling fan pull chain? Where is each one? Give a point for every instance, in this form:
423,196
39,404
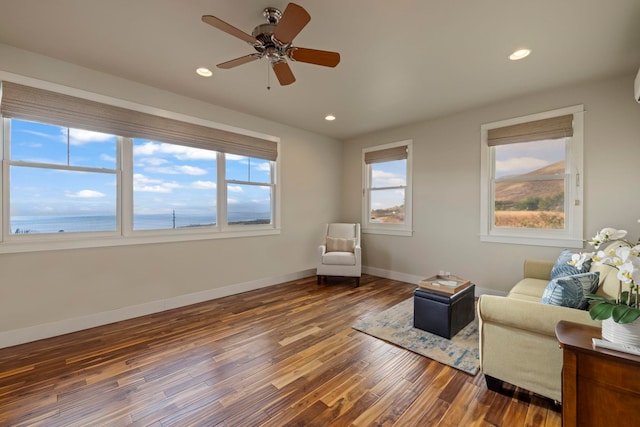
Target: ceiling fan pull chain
268,77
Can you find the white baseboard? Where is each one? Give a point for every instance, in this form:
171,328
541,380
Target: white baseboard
65,326
410,278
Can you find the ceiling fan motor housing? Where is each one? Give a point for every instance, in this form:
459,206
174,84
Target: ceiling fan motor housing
267,45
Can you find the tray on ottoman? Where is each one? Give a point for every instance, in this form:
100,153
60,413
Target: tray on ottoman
442,314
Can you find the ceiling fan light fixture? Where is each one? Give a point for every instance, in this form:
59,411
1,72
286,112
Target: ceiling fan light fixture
520,54
204,72
329,117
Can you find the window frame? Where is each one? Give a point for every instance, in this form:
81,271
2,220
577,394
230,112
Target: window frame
125,235
572,236
369,227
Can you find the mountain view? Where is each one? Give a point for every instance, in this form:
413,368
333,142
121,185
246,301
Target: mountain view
531,204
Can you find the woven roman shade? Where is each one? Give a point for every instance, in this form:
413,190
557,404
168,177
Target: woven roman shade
386,155
39,105
552,128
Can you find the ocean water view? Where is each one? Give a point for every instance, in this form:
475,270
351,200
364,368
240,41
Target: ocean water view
92,223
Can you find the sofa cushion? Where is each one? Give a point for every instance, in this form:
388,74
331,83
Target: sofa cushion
561,267
570,291
338,244
530,288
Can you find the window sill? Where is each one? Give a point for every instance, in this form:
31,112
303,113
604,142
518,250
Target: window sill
560,242
387,231
140,238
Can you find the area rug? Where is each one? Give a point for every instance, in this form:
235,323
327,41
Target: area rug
395,325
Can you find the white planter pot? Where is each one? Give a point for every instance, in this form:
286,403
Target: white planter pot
622,333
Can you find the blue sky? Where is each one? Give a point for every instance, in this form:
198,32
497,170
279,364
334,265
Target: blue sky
166,177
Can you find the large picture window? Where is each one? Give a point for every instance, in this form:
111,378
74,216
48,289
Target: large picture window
387,191
84,173
531,183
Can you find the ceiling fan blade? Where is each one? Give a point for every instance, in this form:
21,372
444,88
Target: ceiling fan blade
229,29
283,73
239,61
294,19
314,56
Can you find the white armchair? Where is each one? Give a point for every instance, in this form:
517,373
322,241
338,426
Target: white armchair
340,255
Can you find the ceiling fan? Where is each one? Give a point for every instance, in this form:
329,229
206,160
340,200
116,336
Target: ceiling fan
274,39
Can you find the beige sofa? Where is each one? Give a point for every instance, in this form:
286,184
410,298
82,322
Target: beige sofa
517,332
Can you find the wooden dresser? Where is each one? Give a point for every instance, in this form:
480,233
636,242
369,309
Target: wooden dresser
600,387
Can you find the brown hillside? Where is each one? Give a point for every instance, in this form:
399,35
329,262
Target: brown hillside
516,191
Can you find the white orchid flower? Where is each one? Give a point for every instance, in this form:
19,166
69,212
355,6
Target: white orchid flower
607,234
577,260
625,272
600,257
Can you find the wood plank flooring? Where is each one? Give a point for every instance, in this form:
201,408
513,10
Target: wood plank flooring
281,356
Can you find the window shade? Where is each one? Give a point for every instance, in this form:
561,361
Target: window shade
552,128
386,155
33,104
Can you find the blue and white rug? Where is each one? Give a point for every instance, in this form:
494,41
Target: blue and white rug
395,325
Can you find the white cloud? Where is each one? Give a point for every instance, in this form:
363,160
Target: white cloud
180,152
107,158
203,185
153,161
177,170
85,194
387,179
517,164
81,136
263,167
234,157
149,185
234,189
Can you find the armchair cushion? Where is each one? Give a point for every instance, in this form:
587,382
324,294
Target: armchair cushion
338,244
339,258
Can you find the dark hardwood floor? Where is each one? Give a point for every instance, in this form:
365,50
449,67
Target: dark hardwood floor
284,355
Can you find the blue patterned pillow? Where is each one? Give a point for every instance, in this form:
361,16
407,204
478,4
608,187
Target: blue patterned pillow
561,268
570,291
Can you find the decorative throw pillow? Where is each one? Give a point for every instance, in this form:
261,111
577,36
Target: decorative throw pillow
337,244
570,291
562,268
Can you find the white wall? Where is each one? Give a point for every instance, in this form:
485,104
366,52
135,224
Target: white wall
446,203
44,293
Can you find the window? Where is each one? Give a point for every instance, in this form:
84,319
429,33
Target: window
531,179
174,186
60,179
85,174
249,190
387,191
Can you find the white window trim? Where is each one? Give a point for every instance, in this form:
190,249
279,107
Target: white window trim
572,236
405,229
45,242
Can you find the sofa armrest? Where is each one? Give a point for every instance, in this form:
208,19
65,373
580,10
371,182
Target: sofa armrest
529,315
538,269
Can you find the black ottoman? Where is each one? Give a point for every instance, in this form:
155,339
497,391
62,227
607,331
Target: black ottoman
443,314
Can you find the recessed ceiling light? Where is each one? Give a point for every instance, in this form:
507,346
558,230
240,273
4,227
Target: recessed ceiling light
330,117
204,72
519,54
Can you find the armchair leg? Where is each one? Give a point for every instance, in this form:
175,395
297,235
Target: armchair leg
319,279
357,282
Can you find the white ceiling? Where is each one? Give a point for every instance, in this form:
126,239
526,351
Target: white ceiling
401,61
